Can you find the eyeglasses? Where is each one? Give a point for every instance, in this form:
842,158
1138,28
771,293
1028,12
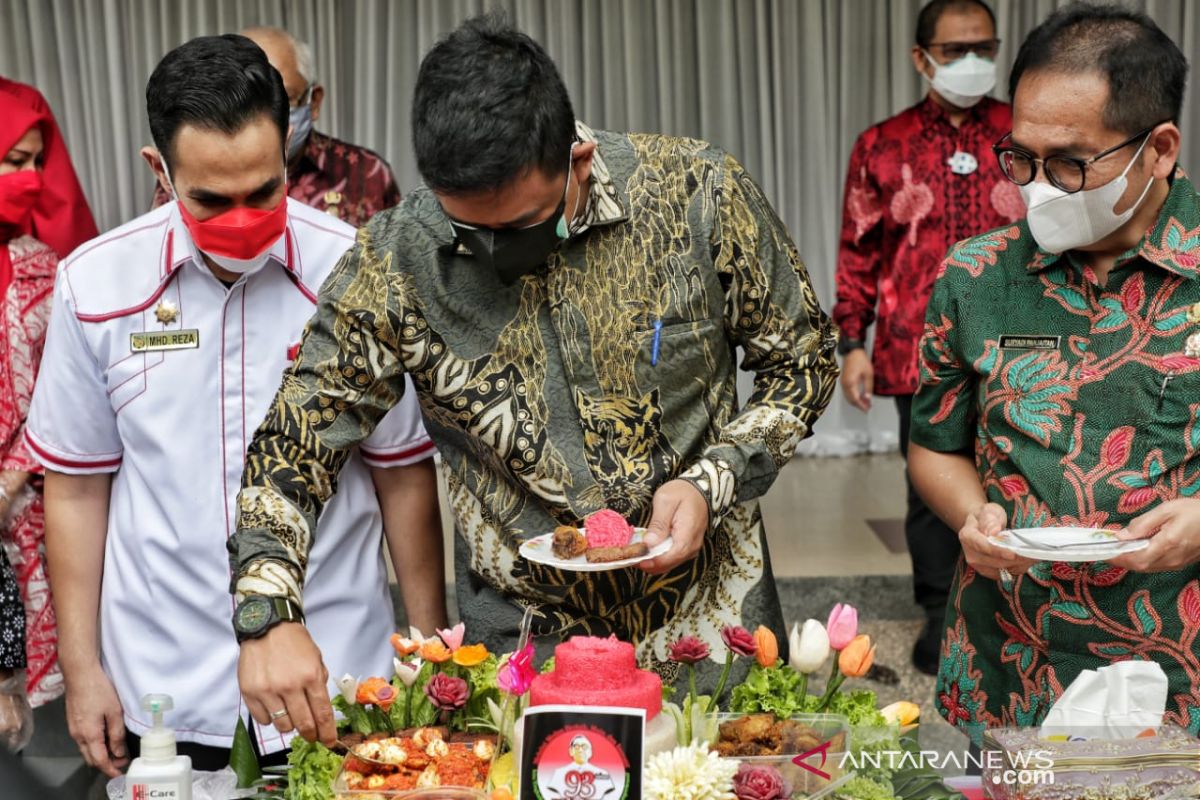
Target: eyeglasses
1065,172
953,51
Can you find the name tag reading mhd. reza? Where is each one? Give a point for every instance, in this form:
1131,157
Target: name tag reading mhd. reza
183,339
1019,342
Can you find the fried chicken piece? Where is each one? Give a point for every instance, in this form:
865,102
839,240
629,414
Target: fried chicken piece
750,728
568,543
725,749
604,555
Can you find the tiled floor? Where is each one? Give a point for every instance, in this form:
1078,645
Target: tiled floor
835,533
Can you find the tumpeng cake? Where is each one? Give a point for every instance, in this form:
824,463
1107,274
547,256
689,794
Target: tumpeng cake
593,671
590,671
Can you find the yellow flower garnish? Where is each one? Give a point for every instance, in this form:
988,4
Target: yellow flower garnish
470,655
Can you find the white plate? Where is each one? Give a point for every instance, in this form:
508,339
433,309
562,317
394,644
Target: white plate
539,550
1085,544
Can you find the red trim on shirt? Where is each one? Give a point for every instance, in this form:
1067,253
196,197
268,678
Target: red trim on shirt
111,315
63,462
304,290
391,458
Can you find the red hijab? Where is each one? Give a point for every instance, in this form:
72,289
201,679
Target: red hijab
61,218
16,118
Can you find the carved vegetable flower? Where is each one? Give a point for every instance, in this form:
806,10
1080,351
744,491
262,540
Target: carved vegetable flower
447,693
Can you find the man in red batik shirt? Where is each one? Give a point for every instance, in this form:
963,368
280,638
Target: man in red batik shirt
350,182
918,183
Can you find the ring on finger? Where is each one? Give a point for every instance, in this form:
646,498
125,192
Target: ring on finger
1005,575
278,714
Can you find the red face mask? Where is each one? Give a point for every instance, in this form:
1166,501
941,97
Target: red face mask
18,193
240,234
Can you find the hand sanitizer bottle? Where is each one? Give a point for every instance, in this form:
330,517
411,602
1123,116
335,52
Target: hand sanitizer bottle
158,773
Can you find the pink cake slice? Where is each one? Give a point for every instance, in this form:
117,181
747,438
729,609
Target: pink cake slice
590,671
607,528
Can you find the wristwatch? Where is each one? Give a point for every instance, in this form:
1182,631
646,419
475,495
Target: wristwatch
847,346
257,614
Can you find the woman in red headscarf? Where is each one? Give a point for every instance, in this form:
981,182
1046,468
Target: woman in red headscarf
61,217
27,268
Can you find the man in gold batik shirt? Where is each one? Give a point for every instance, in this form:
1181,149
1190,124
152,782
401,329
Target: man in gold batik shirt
568,304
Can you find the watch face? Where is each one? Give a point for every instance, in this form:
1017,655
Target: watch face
253,614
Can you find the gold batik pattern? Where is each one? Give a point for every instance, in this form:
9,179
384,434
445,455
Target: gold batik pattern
587,384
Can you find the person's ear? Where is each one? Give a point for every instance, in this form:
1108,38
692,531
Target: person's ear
921,62
154,160
318,97
1164,145
581,161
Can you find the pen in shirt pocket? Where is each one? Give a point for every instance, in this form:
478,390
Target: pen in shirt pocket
656,341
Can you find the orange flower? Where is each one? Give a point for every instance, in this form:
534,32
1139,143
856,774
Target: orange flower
470,655
404,646
376,692
768,646
857,657
435,651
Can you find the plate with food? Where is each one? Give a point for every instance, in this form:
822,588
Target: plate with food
606,541
1068,544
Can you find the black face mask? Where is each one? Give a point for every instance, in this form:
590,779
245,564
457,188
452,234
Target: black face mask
514,252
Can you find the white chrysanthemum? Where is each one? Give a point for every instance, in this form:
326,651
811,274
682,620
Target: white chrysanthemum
690,773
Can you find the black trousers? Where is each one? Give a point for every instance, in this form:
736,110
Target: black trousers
933,546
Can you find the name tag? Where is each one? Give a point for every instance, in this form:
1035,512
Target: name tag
1012,342
183,339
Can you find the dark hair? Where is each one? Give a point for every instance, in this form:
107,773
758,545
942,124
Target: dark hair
1145,70
932,11
489,105
215,82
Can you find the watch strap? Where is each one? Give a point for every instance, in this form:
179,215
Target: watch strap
282,610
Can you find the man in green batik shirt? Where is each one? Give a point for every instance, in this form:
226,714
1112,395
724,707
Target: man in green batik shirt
568,303
1064,351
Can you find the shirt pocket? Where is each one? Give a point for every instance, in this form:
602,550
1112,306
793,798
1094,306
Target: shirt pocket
679,372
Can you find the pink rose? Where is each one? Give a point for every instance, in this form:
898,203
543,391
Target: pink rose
739,640
446,693
760,783
689,650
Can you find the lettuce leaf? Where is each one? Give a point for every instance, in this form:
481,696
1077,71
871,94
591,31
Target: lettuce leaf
773,690
861,788
313,768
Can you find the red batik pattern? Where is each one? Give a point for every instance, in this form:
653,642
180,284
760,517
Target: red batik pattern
904,208
25,314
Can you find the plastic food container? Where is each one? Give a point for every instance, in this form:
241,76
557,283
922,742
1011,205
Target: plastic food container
821,772
340,792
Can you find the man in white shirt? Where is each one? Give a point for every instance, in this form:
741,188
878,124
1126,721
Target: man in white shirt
166,343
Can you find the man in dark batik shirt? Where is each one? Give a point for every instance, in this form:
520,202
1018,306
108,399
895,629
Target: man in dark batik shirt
350,182
568,303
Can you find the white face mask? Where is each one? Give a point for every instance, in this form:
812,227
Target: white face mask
964,82
1060,221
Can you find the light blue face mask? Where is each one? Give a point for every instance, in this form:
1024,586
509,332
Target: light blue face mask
300,118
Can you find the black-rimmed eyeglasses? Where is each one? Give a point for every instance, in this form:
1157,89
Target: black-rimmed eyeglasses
953,51
1067,173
